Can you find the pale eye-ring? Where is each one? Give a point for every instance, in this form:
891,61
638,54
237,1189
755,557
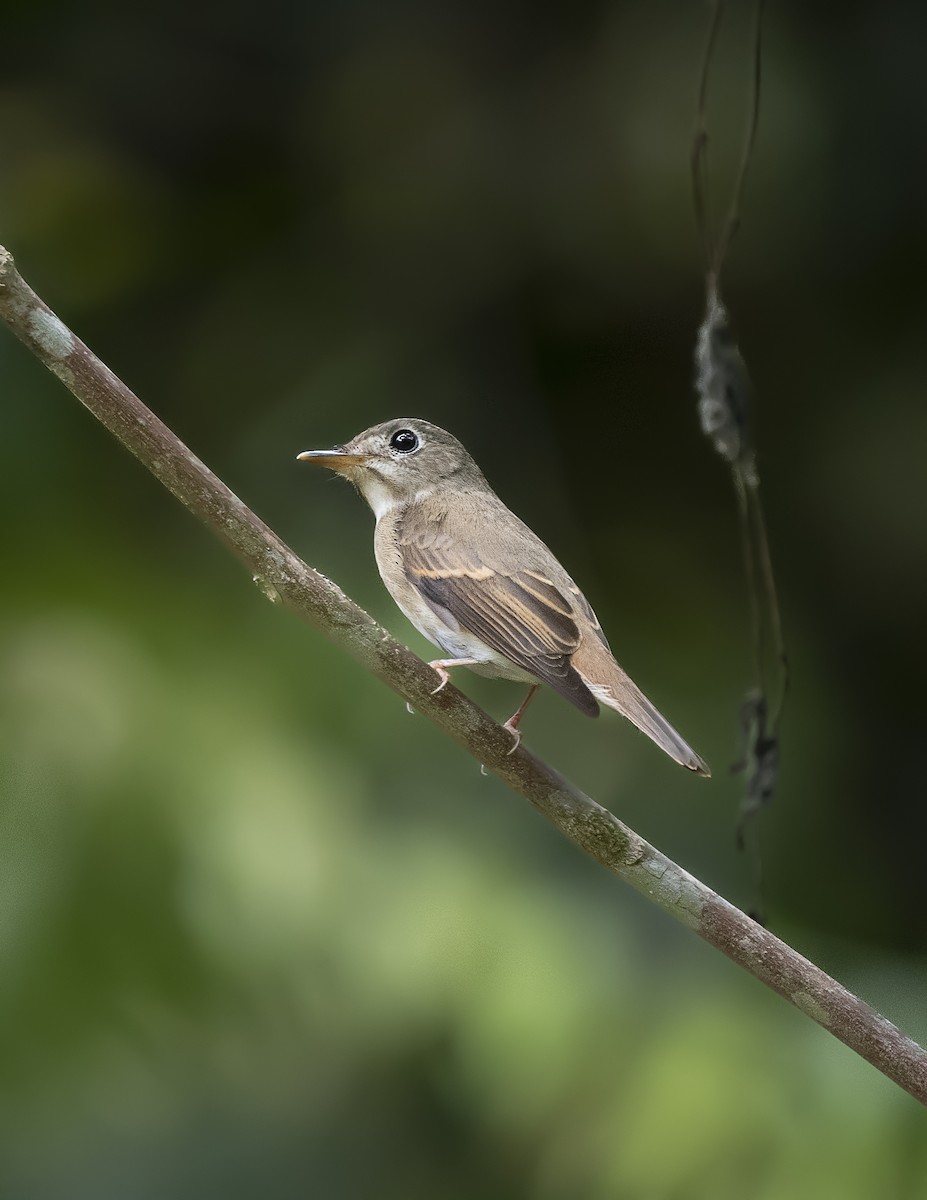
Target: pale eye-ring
404,441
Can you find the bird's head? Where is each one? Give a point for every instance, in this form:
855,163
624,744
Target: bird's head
395,462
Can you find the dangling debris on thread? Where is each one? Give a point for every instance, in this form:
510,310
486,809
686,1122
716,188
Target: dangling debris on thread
724,410
723,388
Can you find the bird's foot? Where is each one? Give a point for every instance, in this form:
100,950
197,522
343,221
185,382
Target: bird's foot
443,675
511,726
440,667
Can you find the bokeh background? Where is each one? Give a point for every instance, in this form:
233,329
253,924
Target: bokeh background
263,933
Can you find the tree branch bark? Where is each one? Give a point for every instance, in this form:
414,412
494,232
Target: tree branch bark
286,579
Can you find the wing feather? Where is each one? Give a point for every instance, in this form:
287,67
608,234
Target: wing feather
522,615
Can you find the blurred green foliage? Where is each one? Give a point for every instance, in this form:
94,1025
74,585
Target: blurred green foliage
263,933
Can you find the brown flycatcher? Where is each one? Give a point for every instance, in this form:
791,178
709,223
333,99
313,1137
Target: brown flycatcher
475,581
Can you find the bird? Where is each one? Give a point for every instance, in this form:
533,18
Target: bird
479,584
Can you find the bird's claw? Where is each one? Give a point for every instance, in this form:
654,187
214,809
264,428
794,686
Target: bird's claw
442,675
516,737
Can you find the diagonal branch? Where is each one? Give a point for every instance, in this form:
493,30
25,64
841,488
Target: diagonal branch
286,579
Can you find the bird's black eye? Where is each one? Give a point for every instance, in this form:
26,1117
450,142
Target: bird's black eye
405,441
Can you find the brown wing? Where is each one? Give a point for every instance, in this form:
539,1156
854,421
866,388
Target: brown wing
522,615
586,609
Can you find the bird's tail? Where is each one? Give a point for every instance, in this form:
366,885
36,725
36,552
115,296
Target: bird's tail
612,686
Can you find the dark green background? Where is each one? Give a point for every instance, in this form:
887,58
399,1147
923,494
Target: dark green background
261,932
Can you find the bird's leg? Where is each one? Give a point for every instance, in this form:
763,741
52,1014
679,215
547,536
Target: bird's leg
512,723
442,665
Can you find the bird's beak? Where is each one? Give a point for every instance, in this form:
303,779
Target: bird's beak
336,459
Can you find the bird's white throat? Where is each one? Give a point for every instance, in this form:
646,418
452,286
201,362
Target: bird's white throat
383,498
377,492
